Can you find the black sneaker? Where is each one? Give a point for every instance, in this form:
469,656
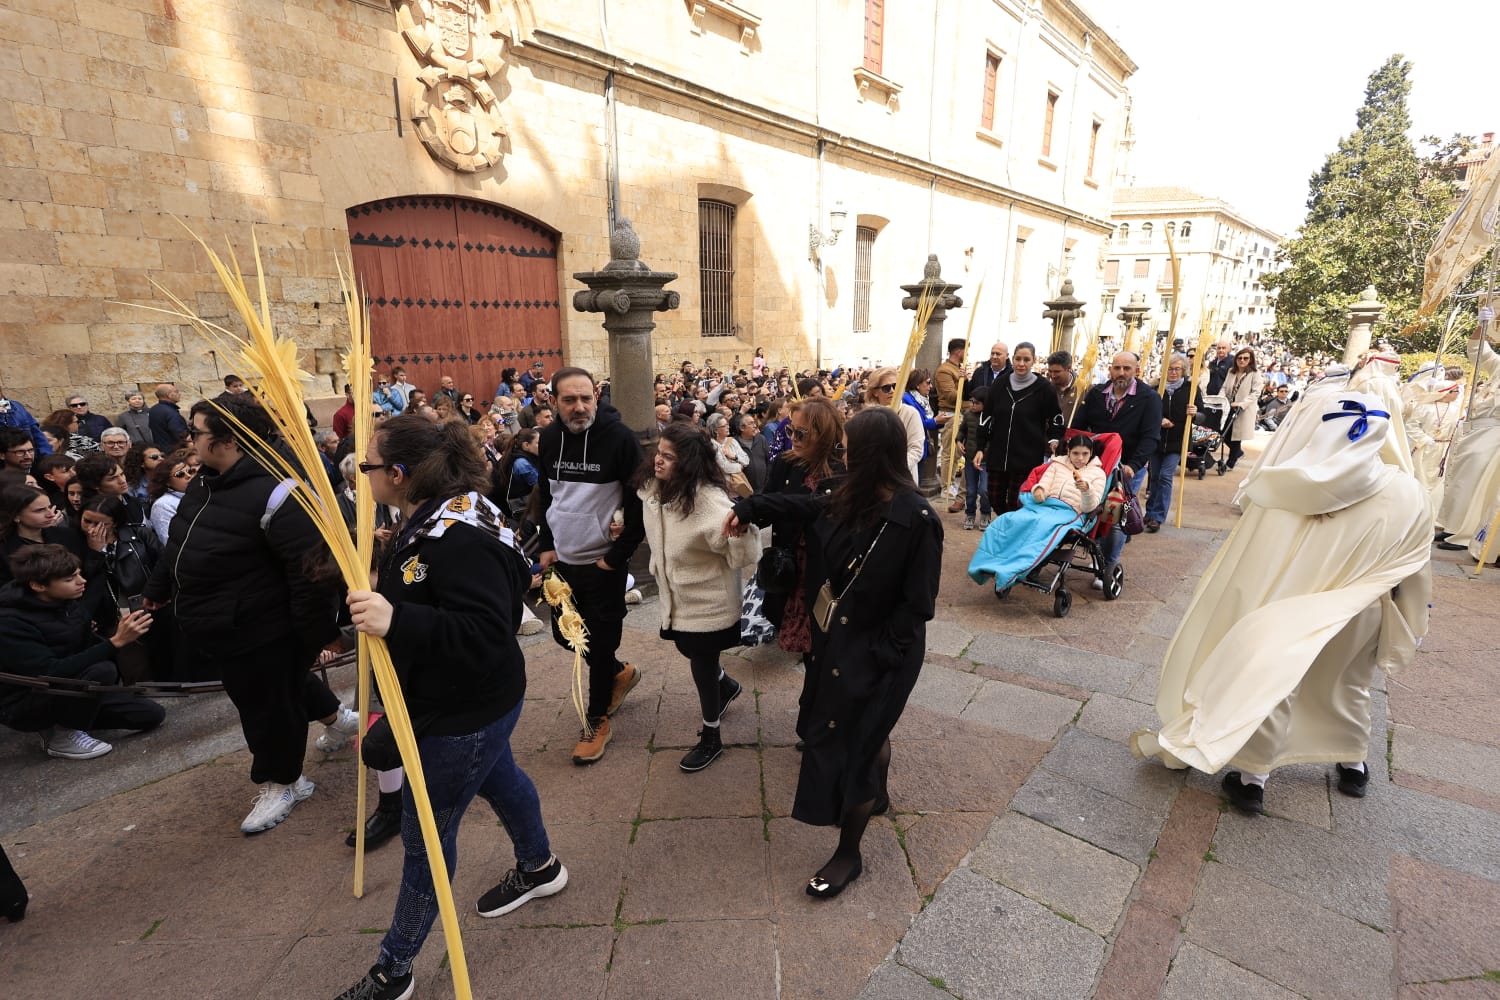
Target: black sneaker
519,888
379,984
729,689
1351,782
1248,799
710,747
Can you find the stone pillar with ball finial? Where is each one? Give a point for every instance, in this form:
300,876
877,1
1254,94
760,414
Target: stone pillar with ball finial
932,351
1362,317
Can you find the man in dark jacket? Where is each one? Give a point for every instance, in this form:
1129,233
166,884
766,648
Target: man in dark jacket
46,630
237,565
1130,408
987,375
587,459
168,429
1217,369
89,424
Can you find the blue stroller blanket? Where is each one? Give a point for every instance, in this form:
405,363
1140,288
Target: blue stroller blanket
1016,543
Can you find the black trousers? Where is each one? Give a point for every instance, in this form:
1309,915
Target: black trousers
39,710
277,696
599,596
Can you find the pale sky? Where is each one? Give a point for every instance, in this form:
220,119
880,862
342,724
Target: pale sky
1244,100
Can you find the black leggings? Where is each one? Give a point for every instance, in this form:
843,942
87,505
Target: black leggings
706,671
599,596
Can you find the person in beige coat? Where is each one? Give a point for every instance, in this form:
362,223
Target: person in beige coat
1242,389
685,499
1325,579
880,389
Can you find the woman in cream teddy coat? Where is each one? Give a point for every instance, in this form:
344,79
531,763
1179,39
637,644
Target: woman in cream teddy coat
684,502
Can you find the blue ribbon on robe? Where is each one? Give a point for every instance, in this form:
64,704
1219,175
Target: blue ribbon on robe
1361,415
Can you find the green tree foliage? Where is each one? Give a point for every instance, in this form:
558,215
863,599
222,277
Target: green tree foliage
1372,213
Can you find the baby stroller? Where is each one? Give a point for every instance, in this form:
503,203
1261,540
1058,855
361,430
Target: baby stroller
1206,441
1042,561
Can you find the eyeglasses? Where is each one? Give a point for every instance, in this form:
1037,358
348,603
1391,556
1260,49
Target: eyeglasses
468,399
369,467
81,402
800,433
384,383
183,474
154,456
195,432
891,387
20,452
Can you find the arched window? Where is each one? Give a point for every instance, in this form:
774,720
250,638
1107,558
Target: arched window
1185,230
1146,232
1124,232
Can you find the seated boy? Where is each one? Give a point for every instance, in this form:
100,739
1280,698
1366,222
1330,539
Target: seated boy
47,630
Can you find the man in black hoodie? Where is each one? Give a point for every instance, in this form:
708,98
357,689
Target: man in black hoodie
588,458
237,565
46,630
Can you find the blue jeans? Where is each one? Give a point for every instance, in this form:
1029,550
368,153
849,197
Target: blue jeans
1163,478
1114,542
976,484
457,768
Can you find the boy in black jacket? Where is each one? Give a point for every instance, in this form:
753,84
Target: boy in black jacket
46,630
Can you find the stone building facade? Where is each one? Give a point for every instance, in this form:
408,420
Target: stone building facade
1222,256
794,161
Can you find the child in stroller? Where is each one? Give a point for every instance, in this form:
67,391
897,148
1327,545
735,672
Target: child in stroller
1036,545
1205,443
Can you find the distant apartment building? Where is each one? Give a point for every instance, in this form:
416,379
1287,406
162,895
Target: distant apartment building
1223,257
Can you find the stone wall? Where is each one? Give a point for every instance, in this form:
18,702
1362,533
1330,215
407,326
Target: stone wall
120,118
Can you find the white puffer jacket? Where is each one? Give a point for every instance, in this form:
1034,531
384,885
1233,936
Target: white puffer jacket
694,564
1057,483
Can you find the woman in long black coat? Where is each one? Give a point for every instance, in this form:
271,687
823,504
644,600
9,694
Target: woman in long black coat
1024,416
879,547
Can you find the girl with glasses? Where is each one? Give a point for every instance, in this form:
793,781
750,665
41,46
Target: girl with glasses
166,485
139,463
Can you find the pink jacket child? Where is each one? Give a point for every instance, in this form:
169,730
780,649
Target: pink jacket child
1077,479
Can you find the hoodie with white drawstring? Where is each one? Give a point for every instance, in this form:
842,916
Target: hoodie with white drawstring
585,479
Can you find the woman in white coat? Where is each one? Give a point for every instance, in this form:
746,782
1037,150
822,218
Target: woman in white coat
880,389
685,502
1242,389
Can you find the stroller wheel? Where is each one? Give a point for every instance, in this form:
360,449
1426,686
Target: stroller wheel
1062,603
1114,581
1201,472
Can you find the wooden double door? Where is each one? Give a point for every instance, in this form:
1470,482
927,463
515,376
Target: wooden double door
457,287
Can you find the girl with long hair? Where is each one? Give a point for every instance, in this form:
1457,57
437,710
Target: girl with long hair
448,603
516,474
685,500
813,459
139,463
100,475
28,517
874,555
169,481
75,444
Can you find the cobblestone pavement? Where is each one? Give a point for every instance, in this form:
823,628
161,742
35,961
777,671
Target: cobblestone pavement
1027,853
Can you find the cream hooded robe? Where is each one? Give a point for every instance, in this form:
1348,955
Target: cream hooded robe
1326,577
1471,477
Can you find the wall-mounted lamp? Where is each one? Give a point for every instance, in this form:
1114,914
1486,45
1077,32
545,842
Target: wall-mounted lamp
815,238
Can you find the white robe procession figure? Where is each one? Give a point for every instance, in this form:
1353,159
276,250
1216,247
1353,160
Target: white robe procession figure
1297,426
1380,376
1326,577
1471,476
1431,419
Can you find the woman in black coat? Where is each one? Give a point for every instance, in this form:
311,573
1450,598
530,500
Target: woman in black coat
877,546
1025,418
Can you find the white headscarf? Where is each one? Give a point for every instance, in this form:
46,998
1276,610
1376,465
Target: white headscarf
1339,465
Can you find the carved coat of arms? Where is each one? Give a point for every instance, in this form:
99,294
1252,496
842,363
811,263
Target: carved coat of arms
460,50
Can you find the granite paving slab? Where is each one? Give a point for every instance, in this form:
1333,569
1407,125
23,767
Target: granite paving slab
1020,710
1197,974
1116,718
1447,923
1055,661
893,981
648,961
944,690
1448,758
1424,826
989,943
1089,814
1111,768
1061,872
1288,940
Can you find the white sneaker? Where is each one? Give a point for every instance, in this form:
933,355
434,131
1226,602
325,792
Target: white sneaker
1096,583
968,524
274,803
345,724
984,521
70,744
531,626
633,596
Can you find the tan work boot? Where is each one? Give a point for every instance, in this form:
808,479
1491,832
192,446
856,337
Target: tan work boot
625,680
591,748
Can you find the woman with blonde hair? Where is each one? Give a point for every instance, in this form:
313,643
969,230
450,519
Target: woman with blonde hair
880,390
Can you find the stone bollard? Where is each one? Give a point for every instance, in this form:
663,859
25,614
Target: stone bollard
1063,311
931,352
629,294
1362,317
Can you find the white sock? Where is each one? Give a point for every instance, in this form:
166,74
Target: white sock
1358,766
711,725
1254,779
390,781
